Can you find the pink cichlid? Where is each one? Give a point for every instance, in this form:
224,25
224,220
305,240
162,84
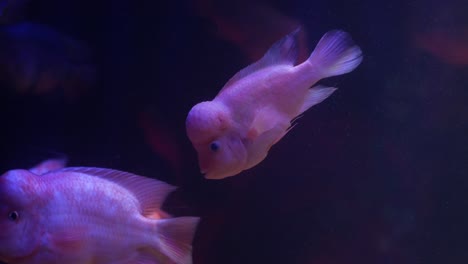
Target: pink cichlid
89,216
256,107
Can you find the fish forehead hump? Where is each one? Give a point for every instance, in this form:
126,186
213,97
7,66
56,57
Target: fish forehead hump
19,186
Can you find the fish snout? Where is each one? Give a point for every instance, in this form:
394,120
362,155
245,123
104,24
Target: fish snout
204,165
206,171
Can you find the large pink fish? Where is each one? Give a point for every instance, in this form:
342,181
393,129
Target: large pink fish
89,216
255,108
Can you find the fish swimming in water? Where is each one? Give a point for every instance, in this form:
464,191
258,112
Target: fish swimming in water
257,106
89,215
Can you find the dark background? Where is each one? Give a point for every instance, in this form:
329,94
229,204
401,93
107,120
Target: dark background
377,173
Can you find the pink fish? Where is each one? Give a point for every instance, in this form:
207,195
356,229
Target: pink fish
89,215
256,107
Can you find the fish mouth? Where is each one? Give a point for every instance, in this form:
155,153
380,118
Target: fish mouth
212,176
206,174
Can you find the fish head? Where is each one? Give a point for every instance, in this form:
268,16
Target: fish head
18,219
213,133
222,157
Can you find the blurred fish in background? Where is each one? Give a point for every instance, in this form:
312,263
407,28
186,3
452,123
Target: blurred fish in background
41,68
251,25
12,11
37,60
423,123
440,30
162,142
449,47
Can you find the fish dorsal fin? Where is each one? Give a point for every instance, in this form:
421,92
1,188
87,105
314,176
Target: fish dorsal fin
151,193
283,52
265,119
48,165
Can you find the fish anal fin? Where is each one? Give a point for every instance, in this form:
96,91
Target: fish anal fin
283,52
151,193
316,95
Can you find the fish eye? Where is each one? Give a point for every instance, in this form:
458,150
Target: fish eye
214,146
13,216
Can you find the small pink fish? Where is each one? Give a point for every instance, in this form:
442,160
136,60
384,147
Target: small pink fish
256,107
89,215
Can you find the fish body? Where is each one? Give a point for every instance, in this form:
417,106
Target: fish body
256,107
89,216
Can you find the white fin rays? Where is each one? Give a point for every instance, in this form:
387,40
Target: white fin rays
336,54
314,96
176,236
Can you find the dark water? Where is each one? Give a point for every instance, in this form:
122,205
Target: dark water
377,173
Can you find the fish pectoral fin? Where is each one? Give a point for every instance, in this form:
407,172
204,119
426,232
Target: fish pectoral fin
265,119
316,95
272,136
176,236
258,148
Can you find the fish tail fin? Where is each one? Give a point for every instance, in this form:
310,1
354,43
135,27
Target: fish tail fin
175,236
335,54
